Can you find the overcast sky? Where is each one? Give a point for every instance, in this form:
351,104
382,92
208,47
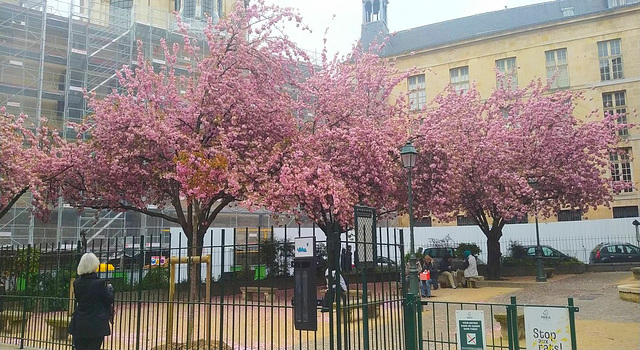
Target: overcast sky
344,29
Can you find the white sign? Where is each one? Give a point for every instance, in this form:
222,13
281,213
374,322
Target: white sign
470,325
305,247
547,328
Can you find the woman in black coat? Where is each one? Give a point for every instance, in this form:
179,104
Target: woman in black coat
94,300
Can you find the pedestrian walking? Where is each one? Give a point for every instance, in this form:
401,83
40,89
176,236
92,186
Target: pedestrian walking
349,258
94,306
332,290
426,276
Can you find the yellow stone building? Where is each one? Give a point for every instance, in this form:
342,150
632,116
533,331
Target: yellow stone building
594,45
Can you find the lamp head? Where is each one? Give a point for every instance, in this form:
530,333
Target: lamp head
408,154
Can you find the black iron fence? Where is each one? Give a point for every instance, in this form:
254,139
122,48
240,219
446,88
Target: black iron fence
504,326
240,298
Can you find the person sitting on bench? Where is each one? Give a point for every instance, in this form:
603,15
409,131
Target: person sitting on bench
470,267
446,270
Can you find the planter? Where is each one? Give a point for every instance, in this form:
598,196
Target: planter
59,327
629,292
636,272
504,328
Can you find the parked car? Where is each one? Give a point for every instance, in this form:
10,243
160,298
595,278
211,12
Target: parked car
548,253
384,261
437,253
614,252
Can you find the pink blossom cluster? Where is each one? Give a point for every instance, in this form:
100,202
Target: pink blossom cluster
29,162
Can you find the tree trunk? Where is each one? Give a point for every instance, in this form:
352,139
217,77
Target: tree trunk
194,249
493,254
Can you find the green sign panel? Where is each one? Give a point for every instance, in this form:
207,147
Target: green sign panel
470,325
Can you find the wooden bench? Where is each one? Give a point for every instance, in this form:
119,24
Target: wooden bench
258,293
636,272
59,327
443,281
354,306
548,271
504,328
475,281
11,320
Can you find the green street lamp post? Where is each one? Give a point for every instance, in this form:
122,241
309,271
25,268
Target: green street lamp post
413,308
409,155
540,275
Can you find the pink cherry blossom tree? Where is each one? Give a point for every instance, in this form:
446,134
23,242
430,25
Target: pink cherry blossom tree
346,149
197,134
27,156
479,155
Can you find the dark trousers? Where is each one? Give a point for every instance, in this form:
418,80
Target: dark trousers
325,299
87,343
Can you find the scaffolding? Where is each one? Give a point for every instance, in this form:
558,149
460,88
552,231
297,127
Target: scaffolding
51,52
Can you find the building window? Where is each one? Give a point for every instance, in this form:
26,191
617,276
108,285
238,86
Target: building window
625,212
621,167
557,67
120,11
417,92
610,56
189,10
509,68
616,103
425,221
460,78
570,215
615,3
463,220
207,8
523,219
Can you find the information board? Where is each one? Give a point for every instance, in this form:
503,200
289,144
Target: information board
547,328
470,325
305,247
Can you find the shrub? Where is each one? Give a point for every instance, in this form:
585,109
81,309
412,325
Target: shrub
156,278
472,247
276,254
516,250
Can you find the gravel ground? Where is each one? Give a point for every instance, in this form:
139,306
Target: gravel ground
595,293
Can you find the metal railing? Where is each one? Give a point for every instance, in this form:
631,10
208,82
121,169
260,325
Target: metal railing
504,327
242,297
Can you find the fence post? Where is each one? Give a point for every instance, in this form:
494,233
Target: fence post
410,321
221,291
512,325
419,315
26,297
139,318
572,323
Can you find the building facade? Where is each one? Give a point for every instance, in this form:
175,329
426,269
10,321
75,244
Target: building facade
51,51
593,45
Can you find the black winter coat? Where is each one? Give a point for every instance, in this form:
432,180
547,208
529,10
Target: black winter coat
93,307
